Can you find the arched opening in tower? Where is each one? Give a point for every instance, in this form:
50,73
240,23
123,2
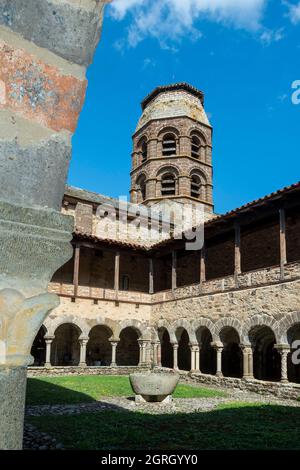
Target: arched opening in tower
99,350
128,350
65,349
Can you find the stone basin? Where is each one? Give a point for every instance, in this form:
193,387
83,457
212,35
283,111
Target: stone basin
153,386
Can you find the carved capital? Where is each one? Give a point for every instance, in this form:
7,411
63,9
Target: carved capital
20,320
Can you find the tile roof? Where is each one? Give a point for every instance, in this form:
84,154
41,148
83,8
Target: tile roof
173,87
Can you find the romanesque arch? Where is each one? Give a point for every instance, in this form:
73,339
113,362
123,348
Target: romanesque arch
166,348
65,349
228,322
203,330
232,357
53,323
98,349
184,352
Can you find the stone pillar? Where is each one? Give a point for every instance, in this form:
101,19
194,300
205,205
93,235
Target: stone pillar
175,356
219,348
197,358
247,362
43,84
159,354
193,361
114,345
156,353
284,350
48,341
142,358
83,342
250,359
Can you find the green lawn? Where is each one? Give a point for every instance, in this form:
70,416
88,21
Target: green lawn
231,426
85,389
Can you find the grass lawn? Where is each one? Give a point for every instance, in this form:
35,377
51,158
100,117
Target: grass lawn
85,389
231,426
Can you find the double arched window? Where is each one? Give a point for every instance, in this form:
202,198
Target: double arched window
169,146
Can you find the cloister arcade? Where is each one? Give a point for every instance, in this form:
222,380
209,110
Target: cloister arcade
260,348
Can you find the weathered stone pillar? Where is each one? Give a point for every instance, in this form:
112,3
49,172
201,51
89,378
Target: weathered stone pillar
114,345
142,358
284,350
48,341
247,361
175,356
194,360
197,358
156,353
83,342
159,354
45,47
219,348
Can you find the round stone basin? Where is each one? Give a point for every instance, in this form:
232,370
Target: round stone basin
153,387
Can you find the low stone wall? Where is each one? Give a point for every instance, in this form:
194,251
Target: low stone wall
289,390
56,371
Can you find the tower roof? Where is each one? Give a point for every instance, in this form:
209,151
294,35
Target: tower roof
173,101
173,87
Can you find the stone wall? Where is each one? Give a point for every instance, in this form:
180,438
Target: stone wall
288,391
62,371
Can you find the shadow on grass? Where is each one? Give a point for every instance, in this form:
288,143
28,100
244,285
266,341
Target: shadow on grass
232,426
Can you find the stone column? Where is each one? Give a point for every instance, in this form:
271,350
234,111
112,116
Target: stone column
219,348
250,359
114,345
197,358
44,51
159,354
247,362
192,358
284,350
48,341
142,353
156,353
83,342
175,356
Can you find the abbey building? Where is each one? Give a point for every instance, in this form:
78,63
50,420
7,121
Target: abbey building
230,309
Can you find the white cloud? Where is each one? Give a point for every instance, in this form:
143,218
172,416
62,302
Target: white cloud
294,12
269,36
174,19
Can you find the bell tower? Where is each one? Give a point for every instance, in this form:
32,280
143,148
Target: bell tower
172,149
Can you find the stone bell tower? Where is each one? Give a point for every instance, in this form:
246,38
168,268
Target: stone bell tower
172,149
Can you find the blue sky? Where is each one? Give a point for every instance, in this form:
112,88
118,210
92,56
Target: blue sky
244,54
